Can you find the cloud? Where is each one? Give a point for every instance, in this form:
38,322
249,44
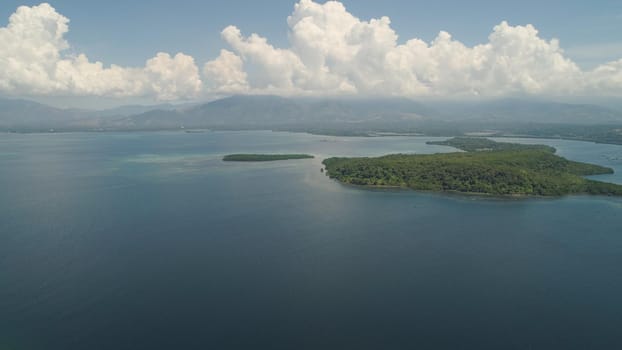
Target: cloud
592,54
333,52
607,78
173,77
35,60
330,52
275,69
226,73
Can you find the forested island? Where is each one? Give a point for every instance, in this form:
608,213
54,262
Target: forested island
487,167
478,144
263,157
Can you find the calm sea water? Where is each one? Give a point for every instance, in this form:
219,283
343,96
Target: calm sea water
149,241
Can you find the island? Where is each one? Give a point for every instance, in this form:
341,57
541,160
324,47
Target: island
486,167
263,157
477,144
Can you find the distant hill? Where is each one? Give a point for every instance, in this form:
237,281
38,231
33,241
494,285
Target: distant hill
19,114
128,110
272,110
23,113
305,114
516,110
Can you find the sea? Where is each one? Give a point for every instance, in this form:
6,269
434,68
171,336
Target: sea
119,241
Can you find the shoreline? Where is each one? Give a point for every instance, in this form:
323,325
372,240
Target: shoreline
369,134
452,193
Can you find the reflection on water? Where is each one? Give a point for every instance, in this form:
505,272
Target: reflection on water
149,240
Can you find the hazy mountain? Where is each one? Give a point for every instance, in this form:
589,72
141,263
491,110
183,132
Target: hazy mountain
516,110
272,110
299,113
128,110
23,113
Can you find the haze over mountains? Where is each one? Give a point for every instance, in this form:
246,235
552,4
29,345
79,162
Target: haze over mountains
258,112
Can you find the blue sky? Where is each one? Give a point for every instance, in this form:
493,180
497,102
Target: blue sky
196,50
129,32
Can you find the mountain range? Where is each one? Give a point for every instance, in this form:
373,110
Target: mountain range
257,112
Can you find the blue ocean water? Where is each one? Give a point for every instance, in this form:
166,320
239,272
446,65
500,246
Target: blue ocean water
150,241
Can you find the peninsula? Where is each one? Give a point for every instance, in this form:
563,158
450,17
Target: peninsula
478,144
263,157
486,167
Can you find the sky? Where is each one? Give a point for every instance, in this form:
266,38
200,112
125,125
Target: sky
178,51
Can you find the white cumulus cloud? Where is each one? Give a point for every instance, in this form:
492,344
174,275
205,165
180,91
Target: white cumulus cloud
35,61
332,51
226,73
173,77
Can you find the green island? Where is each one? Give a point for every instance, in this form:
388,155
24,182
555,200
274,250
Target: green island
478,144
263,157
486,167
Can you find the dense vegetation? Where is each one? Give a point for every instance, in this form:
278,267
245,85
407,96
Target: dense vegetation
609,133
263,157
599,133
520,171
476,144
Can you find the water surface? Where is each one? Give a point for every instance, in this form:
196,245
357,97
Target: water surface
150,241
